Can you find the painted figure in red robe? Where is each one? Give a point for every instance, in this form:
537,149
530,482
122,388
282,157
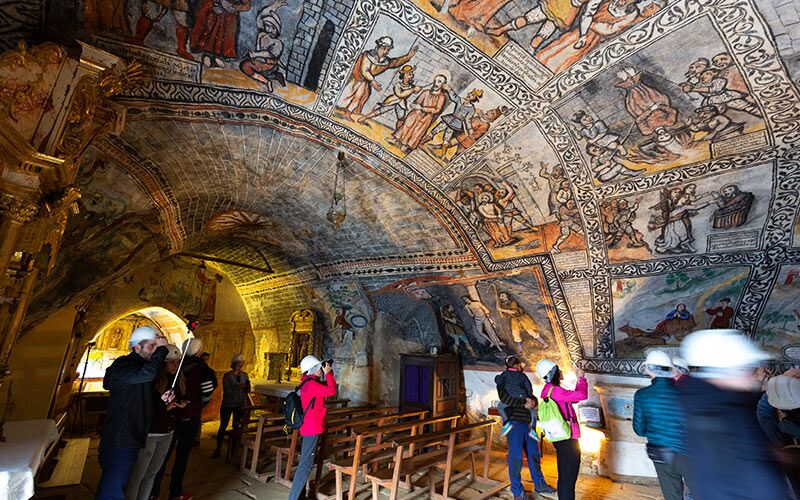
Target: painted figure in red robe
215,32
428,105
722,314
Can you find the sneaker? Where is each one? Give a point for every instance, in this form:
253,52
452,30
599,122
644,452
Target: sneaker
506,429
184,496
544,488
520,497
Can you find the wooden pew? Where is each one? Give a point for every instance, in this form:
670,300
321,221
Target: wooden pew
64,460
332,439
247,423
368,453
425,452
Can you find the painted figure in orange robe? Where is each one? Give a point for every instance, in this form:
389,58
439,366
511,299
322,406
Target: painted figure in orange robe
480,125
651,110
476,13
611,18
428,105
215,32
370,64
553,15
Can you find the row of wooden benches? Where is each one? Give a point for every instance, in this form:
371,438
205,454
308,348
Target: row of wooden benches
386,446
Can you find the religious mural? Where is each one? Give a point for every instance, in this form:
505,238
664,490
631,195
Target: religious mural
710,214
554,34
518,133
347,313
661,310
485,319
408,95
660,109
777,329
521,200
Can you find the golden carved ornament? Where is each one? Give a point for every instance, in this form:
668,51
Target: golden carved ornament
57,221
19,211
22,76
303,321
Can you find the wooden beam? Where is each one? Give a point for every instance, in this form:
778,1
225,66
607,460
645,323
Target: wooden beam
195,255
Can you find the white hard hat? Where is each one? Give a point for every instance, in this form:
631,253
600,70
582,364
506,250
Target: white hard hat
236,359
309,364
142,333
192,346
783,392
679,362
173,353
721,349
658,358
544,367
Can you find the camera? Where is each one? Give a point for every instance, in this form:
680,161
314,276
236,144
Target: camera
327,362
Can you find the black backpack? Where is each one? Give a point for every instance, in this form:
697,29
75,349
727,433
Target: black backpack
293,411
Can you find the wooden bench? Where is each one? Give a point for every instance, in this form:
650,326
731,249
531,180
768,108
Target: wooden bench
64,460
436,450
336,439
371,448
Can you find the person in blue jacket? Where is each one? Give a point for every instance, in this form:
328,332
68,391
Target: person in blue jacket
658,417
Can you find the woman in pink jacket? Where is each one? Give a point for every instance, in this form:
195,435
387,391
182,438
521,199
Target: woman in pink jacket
313,391
568,452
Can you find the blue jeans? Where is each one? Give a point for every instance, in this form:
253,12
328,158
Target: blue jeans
116,464
519,440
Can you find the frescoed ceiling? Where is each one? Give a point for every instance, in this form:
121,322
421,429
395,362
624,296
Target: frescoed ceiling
643,153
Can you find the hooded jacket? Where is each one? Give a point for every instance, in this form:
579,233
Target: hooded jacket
130,399
312,397
727,448
657,415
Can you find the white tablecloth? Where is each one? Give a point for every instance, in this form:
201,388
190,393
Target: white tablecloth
21,455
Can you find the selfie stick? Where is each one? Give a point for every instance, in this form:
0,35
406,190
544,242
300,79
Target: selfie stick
188,342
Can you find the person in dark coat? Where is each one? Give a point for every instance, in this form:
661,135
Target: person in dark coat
516,394
729,453
658,417
130,407
200,382
235,390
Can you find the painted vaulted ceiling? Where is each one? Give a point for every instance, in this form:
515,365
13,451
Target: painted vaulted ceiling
642,152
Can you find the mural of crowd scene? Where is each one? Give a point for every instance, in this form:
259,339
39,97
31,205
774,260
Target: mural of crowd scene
783,19
662,310
280,46
521,200
707,215
412,99
660,109
779,324
485,320
556,32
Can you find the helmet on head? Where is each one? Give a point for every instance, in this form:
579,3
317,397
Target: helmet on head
720,350
236,359
680,364
192,346
310,364
659,363
173,353
141,334
783,392
544,368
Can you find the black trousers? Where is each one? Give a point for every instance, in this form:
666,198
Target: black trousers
185,430
671,477
224,418
568,458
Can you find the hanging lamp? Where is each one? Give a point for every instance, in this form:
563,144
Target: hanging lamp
338,211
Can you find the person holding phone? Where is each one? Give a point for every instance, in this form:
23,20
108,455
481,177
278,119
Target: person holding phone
159,437
568,451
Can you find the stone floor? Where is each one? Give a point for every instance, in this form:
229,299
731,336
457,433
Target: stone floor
216,479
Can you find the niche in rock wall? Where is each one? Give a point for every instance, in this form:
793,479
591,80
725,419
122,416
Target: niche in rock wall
318,56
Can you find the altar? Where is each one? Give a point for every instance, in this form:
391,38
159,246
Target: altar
22,454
